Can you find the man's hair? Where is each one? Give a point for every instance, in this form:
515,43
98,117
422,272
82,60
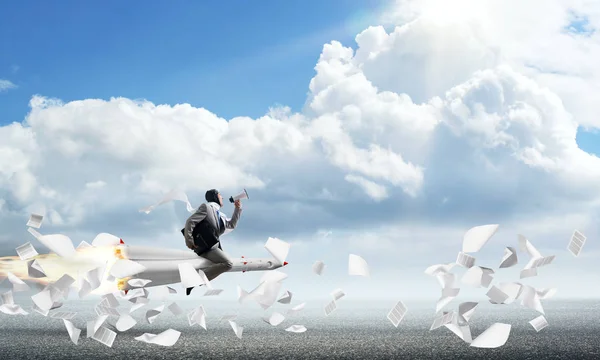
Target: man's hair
212,195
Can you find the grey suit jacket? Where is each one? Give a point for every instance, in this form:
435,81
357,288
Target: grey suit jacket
209,213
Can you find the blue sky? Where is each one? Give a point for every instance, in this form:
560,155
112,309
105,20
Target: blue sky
234,58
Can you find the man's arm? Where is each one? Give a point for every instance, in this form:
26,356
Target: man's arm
191,223
231,223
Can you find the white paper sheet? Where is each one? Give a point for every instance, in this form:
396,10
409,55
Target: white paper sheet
295,309
442,319
278,248
337,294
397,313
26,251
35,270
18,284
478,276
57,243
285,298
526,246
137,306
189,276
106,239
95,276
318,267
330,307
357,266
447,296
166,338
84,289
476,237
296,329
465,260
496,295
105,336
105,310
511,289
528,273
198,316
94,325
138,282
35,221
530,299
12,309
510,258
576,243
40,311
493,337
174,194
125,322
466,310
437,269
546,293
83,245
73,331
152,314
238,330
446,280
7,298
275,319
43,300
539,323
123,268
110,300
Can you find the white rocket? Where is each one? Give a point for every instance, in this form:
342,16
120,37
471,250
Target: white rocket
162,265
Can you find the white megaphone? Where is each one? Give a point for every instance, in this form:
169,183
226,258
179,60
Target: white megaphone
240,196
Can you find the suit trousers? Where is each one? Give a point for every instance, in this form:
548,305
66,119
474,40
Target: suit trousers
222,262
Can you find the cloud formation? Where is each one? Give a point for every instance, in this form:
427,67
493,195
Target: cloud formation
6,85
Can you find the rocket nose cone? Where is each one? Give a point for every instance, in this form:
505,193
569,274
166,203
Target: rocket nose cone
285,263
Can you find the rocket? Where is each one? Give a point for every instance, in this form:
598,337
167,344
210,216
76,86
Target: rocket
162,265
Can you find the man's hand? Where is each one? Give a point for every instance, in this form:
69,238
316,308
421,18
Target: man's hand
192,247
238,204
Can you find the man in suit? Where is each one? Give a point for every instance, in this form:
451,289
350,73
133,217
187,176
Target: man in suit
203,229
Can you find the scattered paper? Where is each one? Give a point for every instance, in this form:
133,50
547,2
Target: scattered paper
35,221
106,239
296,329
125,322
95,276
94,325
105,336
435,270
530,299
7,298
152,314
175,309
337,294
73,331
509,259
238,330
123,268
105,310
275,319
478,236
285,298
109,300
465,260
40,311
357,266
441,320
198,316
478,276
35,270
18,284
26,251
278,248
397,313
318,267
213,292
330,307
166,338
446,280
528,273
57,243
12,309
511,289
189,276
496,295
495,336
85,289
539,323
138,282
466,310
526,246
174,194
296,309
576,243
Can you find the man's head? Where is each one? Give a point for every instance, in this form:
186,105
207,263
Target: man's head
213,195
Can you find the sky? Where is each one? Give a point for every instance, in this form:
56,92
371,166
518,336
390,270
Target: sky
385,129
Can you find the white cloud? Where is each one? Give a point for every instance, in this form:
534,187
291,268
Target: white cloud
471,101
6,85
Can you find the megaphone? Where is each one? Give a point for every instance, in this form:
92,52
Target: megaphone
240,196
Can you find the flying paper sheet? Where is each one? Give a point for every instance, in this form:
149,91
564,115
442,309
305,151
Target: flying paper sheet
105,310
65,315
109,300
495,336
478,276
397,313
95,276
462,331
465,260
40,311
530,299
7,298
446,280
435,270
546,293
238,330
443,319
18,284
357,266
198,316
73,331
526,246
138,306
85,289
538,262
189,276
447,296
539,323
476,237
318,267
269,295
106,239
296,309
512,289
174,194
34,269
105,336
63,283
509,259
275,319
138,282
279,249
57,243
576,243
26,251
528,273
94,325
13,309
35,221
329,308
337,294
123,268
466,310
175,309
152,314
83,245
285,298
296,329
213,292
125,322
496,295
166,338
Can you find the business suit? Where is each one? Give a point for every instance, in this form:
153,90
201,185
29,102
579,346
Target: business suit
208,245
